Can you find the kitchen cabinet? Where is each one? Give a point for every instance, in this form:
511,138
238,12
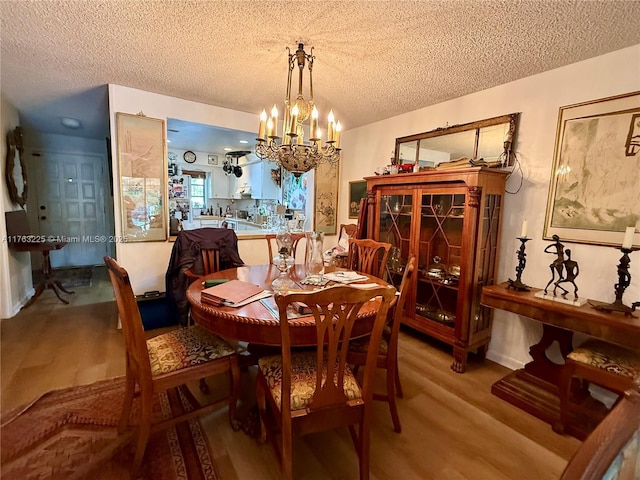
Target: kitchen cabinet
218,184
262,185
450,220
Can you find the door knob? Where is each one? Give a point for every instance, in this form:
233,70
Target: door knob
43,217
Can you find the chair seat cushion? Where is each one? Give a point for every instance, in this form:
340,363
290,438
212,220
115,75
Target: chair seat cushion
361,345
185,347
303,379
606,356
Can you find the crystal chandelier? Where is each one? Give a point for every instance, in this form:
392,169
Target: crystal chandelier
292,153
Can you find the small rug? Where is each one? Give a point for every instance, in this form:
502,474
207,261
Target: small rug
72,434
70,277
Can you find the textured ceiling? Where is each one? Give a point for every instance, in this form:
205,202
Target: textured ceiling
374,59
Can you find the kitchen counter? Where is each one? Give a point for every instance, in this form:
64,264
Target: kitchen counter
241,226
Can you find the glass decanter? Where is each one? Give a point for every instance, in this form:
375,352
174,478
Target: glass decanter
314,258
283,261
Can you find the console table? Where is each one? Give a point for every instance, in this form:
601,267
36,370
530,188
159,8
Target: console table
535,387
48,280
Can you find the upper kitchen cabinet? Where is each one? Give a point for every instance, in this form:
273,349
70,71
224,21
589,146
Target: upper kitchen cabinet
263,187
218,184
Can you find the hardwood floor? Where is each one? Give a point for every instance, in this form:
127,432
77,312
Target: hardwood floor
452,427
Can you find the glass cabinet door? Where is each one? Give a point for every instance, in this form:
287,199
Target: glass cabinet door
395,228
441,220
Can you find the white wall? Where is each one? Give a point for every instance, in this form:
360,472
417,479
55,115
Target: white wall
539,98
15,267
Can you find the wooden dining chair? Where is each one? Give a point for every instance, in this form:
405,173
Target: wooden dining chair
308,391
273,246
368,256
605,364
350,229
612,450
165,361
387,357
210,264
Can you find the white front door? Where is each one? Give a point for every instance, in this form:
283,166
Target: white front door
70,195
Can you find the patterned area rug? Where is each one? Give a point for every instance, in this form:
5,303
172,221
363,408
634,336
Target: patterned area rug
70,277
72,434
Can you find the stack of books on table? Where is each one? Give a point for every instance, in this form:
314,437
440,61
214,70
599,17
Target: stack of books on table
234,293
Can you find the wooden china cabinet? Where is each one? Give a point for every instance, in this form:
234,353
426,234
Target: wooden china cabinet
450,220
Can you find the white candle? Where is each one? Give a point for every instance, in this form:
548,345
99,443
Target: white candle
337,134
313,129
263,123
330,127
274,116
269,127
628,237
523,230
294,120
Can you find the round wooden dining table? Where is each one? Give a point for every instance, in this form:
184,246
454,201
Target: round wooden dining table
254,323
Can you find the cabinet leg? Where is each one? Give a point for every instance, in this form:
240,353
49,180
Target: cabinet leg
482,351
459,364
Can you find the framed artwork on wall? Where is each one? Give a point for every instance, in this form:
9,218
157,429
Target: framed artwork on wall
595,179
212,159
327,179
357,191
143,177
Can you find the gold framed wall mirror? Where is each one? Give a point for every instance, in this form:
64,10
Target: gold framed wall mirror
491,140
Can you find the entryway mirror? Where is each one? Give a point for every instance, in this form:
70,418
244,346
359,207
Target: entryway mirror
491,139
16,173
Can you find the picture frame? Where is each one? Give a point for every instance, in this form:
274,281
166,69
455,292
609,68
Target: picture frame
595,179
212,159
142,163
357,191
326,182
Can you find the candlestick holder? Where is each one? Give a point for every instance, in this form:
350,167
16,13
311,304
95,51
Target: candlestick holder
624,280
522,262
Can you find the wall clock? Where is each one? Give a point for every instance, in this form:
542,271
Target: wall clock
212,159
189,156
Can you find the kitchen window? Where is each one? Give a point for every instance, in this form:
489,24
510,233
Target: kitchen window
198,189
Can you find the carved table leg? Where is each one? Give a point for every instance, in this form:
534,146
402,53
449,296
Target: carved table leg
541,366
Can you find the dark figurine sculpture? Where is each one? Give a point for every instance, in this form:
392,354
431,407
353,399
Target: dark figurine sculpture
571,271
557,265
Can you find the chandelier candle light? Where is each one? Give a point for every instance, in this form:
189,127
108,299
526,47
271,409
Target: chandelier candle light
293,154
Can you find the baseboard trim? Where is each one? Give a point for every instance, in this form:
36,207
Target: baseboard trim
504,360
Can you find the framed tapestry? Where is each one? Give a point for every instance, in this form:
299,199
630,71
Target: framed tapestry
357,191
143,177
326,180
595,179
